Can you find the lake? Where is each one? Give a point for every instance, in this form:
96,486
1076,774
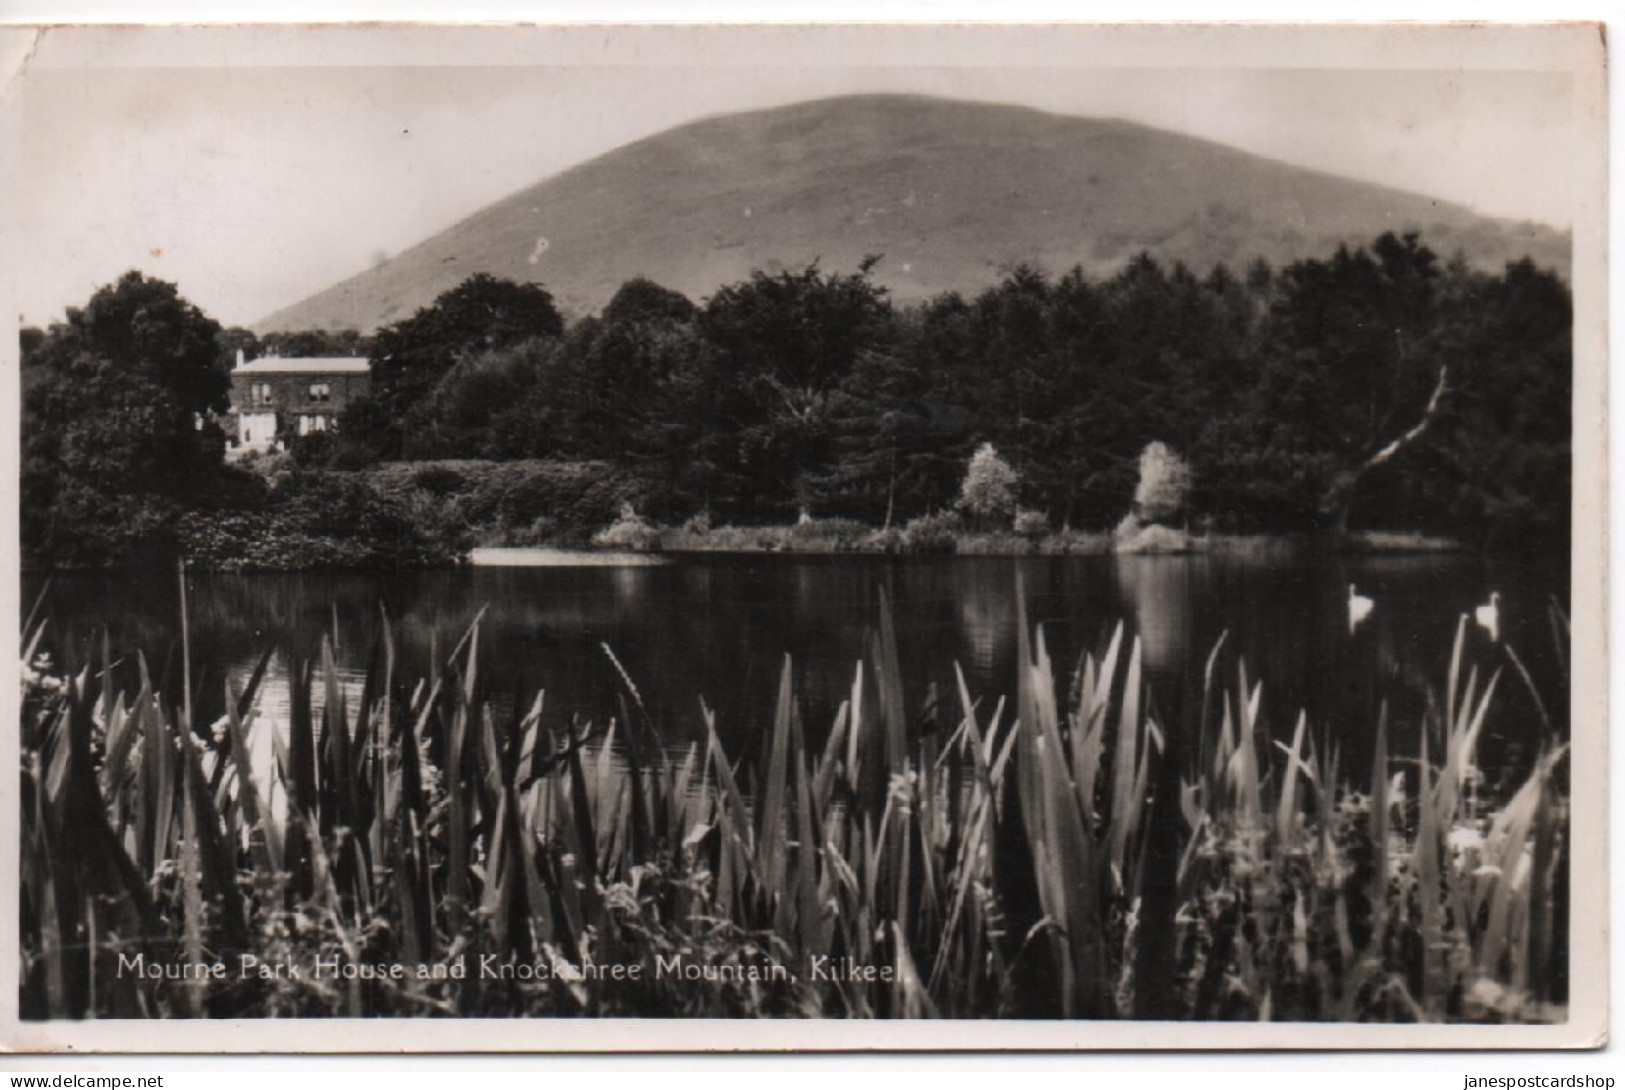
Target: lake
718,628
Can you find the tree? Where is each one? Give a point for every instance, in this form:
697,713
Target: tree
782,346
988,493
1093,392
1373,379
113,422
1165,481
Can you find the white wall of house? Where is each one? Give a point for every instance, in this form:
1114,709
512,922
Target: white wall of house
256,431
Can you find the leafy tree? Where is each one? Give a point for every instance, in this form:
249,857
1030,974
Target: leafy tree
232,340
308,343
410,358
1376,380
782,347
1165,481
626,387
456,418
1085,415
1349,376
642,300
908,417
886,437
1499,457
113,422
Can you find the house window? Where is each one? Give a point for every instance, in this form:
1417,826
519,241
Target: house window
320,391
260,393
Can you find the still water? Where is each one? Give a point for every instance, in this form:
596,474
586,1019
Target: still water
719,628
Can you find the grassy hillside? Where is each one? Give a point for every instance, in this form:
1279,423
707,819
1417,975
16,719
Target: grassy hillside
950,192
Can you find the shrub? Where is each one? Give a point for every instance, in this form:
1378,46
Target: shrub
539,532
1076,543
1288,893
988,493
831,535
1031,524
1134,536
888,540
314,520
313,451
629,531
935,533
235,488
502,501
1165,481
438,478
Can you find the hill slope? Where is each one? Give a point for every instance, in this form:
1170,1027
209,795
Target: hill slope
950,192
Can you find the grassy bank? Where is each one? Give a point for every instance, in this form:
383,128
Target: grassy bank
1067,852
949,534
306,520
921,537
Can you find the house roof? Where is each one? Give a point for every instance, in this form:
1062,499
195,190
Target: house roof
308,365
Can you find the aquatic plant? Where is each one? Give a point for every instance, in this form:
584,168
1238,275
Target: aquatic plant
1070,852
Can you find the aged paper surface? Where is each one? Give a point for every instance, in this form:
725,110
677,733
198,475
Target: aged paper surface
508,533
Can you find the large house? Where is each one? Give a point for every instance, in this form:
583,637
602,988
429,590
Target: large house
275,399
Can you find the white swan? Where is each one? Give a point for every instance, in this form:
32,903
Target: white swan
1359,608
1489,616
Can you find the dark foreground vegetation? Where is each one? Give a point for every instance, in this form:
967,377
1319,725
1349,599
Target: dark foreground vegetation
1379,388
1073,852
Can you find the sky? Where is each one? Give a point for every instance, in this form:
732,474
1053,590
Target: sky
252,187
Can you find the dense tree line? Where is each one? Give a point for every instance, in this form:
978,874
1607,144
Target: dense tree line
1378,387
1378,384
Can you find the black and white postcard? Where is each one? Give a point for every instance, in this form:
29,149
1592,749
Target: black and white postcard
804,537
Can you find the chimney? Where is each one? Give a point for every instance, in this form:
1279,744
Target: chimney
239,357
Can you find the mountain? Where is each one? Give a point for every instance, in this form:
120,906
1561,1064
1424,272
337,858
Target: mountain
951,192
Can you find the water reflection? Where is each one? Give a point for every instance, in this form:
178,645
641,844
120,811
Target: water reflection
718,628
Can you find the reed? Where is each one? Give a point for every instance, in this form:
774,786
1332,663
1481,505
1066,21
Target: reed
1069,854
